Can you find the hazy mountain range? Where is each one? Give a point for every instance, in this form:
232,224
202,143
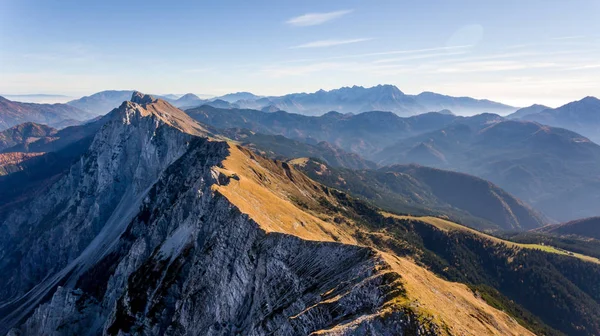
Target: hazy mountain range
555,170
358,99
354,99
13,113
581,116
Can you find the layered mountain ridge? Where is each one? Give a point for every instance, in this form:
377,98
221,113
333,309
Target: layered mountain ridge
581,116
161,228
354,99
553,169
13,113
359,99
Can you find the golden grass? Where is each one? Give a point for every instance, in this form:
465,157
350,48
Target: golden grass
450,304
299,161
446,225
264,192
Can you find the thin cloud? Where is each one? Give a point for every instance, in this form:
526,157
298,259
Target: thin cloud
576,37
197,70
382,53
493,66
585,67
418,57
313,19
329,43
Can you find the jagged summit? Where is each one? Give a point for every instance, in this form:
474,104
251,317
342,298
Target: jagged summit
144,105
140,98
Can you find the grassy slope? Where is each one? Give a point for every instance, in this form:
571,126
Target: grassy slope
447,226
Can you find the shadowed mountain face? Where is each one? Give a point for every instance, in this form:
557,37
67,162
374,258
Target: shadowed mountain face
358,99
581,116
157,227
421,190
587,227
282,148
13,113
553,169
23,134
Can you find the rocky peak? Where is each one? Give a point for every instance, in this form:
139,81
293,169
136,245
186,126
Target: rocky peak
142,106
140,98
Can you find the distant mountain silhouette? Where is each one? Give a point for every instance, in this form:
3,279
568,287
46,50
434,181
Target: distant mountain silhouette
188,100
13,113
587,227
358,99
525,111
234,97
555,170
361,133
581,116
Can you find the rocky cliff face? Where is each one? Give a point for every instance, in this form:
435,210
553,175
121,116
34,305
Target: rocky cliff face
146,236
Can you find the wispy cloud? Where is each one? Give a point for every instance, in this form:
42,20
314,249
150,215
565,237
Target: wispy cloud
198,70
493,66
374,54
313,19
329,43
584,67
575,37
421,56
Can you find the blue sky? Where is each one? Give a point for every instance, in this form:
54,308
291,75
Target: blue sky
518,52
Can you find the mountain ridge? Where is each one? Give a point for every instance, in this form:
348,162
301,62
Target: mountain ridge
582,116
387,97
585,227
13,113
516,155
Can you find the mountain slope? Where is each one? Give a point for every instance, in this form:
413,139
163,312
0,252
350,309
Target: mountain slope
533,109
158,229
15,162
581,116
13,113
282,148
555,170
426,191
23,134
587,227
